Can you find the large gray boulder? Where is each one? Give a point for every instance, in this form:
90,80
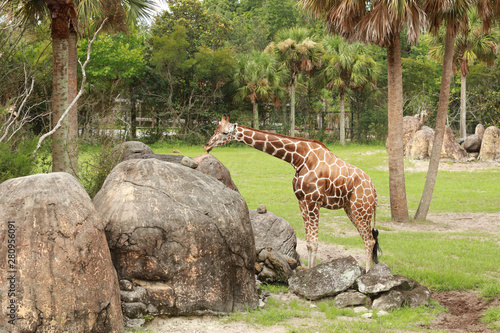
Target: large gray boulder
62,279
490,146
181,235
326,279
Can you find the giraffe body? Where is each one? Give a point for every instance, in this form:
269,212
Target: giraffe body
321,180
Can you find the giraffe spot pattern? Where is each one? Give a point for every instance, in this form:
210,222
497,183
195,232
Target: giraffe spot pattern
321,180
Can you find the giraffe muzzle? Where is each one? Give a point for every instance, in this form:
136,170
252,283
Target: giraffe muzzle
207,148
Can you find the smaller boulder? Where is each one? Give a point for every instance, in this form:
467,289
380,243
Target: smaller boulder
450,149
479,130
490,146
410,126
472,143
389,301
395,299
418,146
210,165
380,279
326,279
274,266
352,298
416,297
132,149
273,231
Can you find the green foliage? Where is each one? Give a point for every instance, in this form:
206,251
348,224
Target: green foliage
17,160
170,55
96,163
202,27
420,88
214,67
275,288
114,57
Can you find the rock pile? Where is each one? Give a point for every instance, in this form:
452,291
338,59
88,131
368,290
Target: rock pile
419,145
181,241
344,281
275,243
206,163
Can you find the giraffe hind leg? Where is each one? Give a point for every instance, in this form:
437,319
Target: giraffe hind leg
363,225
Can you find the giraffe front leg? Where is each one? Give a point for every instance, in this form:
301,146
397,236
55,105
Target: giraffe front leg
310,214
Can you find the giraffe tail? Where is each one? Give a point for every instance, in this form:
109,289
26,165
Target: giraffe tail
376,246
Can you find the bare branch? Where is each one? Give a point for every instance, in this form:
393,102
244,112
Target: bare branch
82,89
15,115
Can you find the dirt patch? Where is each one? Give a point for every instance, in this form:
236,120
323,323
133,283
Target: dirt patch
465,311
423,166
206,324
451,222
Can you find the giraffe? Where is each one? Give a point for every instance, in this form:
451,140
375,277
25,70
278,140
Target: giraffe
321,180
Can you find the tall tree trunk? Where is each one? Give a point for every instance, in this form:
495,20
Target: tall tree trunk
72,92
133,114
255,115
463,110
60,46
342,118
397,188
292,106
444,97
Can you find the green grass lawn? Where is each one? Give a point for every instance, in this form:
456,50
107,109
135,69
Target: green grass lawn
441,261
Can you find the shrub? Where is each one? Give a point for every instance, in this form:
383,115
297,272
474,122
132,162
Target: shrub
16,157
97,164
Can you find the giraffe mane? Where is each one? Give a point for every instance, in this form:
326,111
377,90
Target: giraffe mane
286,136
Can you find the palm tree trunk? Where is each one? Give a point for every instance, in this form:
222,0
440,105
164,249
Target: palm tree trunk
397,189
255,115
60,48
342,118
444,96
72,92
463,110
292,106
133,114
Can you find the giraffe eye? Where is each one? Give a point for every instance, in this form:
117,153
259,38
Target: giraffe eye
225,133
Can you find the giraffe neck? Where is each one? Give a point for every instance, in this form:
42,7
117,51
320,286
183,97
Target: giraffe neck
280,146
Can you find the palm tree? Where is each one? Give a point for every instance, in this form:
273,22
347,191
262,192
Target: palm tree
256,78
380,22
346,66
454,15
65,16
470,45
299,54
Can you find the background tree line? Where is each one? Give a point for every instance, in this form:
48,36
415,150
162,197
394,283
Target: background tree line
199,60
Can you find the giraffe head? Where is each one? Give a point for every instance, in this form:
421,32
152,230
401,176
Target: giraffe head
224,133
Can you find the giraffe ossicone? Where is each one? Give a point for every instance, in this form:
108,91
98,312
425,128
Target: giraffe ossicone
321,180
